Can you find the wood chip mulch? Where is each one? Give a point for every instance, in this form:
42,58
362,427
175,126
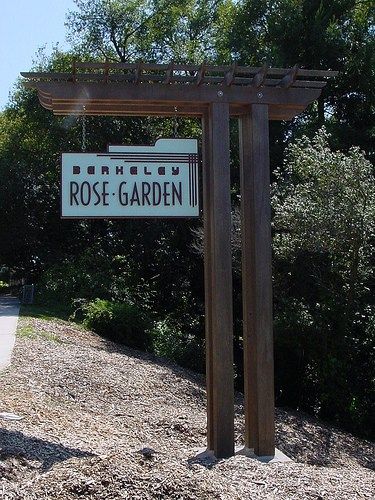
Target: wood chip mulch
105,422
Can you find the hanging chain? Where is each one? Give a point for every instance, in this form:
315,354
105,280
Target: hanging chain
84,130
175,123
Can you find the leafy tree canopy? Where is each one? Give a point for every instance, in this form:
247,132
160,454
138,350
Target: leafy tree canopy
152,30
315,34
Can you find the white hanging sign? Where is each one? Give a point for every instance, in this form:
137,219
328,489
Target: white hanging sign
132,181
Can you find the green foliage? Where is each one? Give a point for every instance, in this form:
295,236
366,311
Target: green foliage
152,30
121,322
178,343
324,202
3,286
313,34
88,276
324,236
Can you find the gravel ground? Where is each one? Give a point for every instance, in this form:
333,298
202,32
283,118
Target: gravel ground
106,422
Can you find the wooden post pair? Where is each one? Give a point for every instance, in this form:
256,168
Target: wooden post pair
256,281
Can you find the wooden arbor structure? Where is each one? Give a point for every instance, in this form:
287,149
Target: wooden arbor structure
213,93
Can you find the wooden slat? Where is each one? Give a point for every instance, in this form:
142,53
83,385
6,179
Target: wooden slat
257,281
288,80
308,84
200,75
169,74
260,77
229,76
137,74
189,69
129,77
106,72
46,76
100,65
222,314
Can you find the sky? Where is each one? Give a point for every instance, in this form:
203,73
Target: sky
25,26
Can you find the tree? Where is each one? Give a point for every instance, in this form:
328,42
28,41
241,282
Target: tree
149,30
314,34
324,242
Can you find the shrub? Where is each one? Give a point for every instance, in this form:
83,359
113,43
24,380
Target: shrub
324,236
89,276
4,287
121,322
177,344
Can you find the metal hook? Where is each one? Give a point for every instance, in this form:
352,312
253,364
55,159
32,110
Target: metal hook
84,129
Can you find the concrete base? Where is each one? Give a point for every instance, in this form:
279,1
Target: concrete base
203,456
279,456
207,457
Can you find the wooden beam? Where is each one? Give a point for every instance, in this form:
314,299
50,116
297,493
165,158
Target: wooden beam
221,281
257,281
111,107
158,93
208,284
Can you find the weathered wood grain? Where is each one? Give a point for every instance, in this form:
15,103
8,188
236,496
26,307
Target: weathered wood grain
257,281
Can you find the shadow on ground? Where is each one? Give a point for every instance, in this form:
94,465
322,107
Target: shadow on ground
16,445
308,440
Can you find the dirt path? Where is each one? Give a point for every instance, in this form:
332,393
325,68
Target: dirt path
102,422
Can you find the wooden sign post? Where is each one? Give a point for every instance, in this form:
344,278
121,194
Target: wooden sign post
213,93
257,281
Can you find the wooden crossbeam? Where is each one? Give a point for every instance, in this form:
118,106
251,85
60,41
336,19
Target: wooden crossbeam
68,97
109,87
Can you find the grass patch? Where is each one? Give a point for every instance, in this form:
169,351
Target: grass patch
47,313
26,331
